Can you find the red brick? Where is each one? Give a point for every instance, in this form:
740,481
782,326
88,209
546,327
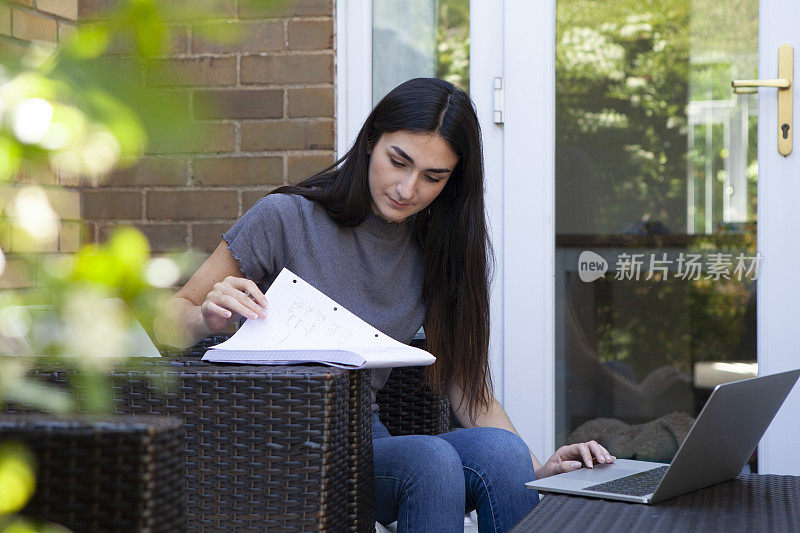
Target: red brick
65,202
123,68
199,138
9,48
299,68
238,170
267,103
167,105
192,205
21,242
249,198
32,27
95,9
151,171
206,237
201,9
313,102
71,236
67,9
306,165
104,205
303,135
310,34
162,237
16,274
284,8
176,41
203,71
41,176
65,31
5,20
228,36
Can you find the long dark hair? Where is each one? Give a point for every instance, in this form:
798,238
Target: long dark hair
451,232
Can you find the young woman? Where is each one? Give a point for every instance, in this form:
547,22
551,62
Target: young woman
395,231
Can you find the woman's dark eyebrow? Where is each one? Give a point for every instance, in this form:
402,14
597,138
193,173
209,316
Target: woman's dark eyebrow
407,157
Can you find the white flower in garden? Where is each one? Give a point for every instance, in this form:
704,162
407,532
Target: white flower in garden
635,30
590,53
635,82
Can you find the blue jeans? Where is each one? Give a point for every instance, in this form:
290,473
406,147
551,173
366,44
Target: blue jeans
427,482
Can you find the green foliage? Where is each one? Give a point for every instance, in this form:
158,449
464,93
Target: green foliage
626,74
452,38
77,111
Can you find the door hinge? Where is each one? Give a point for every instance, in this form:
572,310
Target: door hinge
498,100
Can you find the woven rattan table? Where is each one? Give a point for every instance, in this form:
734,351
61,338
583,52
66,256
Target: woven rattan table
750,502
98,474
268,448
275,448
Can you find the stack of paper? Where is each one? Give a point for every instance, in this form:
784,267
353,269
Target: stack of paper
305,326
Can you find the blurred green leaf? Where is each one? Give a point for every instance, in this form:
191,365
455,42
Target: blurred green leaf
16,477
88,41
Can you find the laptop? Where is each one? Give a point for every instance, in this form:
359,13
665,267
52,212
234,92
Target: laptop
716,449
29,328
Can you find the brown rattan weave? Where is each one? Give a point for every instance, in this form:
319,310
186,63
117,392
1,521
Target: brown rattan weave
266,447
355,473
119,473
748,503
408,407
278,448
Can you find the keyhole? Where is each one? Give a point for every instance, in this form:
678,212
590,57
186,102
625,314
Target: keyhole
785,129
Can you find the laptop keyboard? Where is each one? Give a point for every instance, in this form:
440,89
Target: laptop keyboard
635,485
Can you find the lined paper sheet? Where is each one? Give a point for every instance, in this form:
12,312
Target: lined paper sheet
301,318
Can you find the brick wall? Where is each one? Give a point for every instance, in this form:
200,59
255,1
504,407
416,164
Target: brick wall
265,107
49,21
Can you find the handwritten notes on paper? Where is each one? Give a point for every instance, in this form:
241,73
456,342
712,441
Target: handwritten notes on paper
304,325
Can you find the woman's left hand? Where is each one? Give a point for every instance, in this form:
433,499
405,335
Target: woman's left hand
572,457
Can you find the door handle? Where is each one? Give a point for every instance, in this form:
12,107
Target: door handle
785,94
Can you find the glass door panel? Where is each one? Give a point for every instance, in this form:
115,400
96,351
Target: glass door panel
419,38
655,208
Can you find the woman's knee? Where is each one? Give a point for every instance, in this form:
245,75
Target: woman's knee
434,455
502,448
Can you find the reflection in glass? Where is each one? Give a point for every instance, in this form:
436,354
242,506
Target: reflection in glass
655,174
419,38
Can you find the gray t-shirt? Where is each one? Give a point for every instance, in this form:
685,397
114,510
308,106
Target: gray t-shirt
374,270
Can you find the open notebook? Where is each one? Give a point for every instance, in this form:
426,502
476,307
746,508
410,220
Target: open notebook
305,326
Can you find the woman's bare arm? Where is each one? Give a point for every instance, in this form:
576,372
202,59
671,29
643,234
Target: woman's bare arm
565,459
214,296
495,417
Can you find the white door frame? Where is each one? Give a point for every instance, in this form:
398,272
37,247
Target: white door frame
520,177
529,213
778,220
353,104
353,82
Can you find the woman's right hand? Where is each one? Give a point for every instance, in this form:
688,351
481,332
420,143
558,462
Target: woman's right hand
231,298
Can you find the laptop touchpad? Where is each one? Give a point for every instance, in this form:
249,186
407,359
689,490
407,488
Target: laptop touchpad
600,473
